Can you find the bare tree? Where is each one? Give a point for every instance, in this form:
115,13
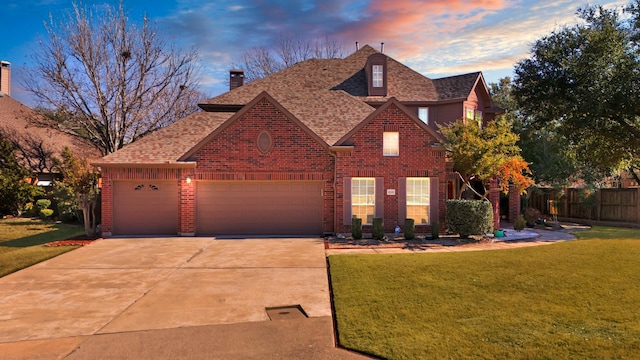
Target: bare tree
118,80
287,50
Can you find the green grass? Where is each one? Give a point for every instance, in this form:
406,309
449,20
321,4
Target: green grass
572,300
22,242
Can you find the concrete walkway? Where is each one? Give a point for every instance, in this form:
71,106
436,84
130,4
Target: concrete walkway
171,298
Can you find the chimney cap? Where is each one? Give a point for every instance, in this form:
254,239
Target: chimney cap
5,63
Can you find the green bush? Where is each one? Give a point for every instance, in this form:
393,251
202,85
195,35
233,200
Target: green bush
29,210
356,228
520,223
409,229
469,217
378,228
43,204
435,230
46,213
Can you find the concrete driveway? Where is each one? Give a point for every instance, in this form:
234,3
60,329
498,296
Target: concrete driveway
171,298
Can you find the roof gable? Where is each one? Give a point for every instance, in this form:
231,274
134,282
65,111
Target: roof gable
390,102
457,87
264,96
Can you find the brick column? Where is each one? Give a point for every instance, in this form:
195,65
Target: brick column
107,204
514,203
494,198
187,211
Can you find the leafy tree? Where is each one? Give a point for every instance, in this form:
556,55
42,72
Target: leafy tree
287,50
15,189
582,82
81,180
549,154
483,154
116,81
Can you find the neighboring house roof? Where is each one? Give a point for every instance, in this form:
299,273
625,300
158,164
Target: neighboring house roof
38,135
328,96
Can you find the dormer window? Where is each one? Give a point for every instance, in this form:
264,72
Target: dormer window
376,71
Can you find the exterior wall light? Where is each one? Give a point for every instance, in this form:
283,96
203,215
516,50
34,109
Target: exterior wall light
188,179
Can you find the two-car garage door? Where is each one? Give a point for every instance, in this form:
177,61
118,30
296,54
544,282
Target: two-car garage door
258,208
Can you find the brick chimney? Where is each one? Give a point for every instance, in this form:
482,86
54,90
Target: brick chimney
5,77
236,79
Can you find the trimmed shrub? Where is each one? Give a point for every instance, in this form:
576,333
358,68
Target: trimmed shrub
46,213
378,228
532,215
520,223
435,230
356,228
409,229
43,204
469,217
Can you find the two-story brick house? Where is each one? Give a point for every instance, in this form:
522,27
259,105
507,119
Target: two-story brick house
297,153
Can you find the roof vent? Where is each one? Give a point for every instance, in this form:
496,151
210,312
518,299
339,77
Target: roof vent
236,78
382,47
357,46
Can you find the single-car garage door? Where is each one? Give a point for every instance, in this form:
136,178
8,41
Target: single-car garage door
258,208
145,207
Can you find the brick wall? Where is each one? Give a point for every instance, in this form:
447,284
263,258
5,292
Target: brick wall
416,158
294,154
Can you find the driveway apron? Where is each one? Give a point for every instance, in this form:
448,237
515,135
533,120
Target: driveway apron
116,286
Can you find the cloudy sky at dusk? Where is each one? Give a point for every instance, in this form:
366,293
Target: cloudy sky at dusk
435,37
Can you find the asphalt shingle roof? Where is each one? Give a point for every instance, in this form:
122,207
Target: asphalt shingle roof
329,96
17,119
168,144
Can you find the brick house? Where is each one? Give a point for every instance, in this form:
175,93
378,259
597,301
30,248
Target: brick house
297,153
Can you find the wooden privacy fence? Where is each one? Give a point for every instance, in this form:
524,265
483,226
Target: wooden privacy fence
616,205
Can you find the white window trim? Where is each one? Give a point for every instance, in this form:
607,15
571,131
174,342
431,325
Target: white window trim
391,143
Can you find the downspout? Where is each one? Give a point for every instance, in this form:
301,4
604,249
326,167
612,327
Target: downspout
335,191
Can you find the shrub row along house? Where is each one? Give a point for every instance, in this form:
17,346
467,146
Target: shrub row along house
297,153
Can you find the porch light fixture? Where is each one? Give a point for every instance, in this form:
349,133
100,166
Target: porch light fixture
188,179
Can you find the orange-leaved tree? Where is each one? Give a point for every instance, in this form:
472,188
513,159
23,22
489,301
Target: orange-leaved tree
486,153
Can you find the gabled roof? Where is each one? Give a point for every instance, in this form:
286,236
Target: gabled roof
327,96
167,145
456,87
27,126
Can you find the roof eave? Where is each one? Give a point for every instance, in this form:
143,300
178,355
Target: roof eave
166,165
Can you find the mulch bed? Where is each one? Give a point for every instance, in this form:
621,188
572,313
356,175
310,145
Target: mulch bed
401,243
80,240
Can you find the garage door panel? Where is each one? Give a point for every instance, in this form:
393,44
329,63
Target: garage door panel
145,208
265,208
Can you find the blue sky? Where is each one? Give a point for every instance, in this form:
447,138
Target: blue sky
435,37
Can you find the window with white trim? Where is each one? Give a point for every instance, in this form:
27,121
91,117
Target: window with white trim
391,143
377,75
423,114
363,199
418,194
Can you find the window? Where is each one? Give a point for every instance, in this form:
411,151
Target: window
363,199
377,76
478,117
423,114
418,200
391,144
469,114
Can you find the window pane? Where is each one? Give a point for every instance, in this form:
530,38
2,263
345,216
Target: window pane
418,199
363,199
391,143
423,114
377,76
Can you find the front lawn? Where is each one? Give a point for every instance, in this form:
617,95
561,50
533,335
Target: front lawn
22,242
572,300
